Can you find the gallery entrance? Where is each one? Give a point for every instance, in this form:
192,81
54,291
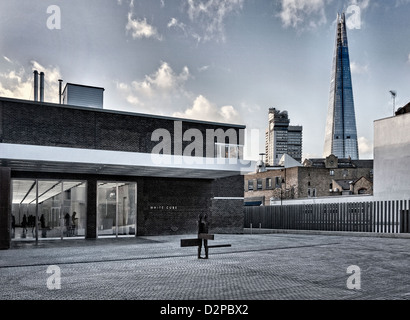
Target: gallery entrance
48,209
116,209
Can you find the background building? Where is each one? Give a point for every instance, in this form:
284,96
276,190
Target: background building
330,177
341,133
281,138
392,156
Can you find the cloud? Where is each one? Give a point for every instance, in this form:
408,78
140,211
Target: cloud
176,24
203,109
408,58
163,80
362,4
165,90
203,68
7,59
365,148
18,83
161,88
356,68
141,29
301,13
210,16
187,30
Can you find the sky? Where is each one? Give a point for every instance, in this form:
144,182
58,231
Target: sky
216,60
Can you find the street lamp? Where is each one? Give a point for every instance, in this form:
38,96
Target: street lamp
283,182
394,94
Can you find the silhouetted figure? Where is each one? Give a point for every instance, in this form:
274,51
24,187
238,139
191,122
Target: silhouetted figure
13,225
43,226
67,223
203,228
24,224
75,221
32,222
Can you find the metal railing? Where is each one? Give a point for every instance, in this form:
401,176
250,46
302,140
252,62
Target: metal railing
375,217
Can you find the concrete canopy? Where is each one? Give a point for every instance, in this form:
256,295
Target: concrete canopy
90,161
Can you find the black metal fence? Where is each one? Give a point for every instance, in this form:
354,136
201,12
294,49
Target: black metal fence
376,217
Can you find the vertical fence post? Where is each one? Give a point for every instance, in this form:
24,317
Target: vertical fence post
393,215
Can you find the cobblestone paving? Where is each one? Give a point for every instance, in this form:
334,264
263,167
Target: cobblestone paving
256,267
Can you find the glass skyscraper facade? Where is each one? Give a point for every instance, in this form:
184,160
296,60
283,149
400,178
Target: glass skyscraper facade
341,133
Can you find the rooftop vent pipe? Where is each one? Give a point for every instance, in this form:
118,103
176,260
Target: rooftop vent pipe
35,85
60,93
42,87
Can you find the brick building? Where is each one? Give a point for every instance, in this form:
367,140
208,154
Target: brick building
121,173
316,178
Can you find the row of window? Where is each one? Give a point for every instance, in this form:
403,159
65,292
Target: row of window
269,184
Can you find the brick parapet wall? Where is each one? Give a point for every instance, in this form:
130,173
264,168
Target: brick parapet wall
75,127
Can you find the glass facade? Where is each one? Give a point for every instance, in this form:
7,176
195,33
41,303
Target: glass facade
44,209
341,133
116,208
228,151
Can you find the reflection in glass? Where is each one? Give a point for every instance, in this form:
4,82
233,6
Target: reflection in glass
117,208
38,209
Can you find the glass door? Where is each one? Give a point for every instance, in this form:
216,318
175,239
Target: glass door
116,208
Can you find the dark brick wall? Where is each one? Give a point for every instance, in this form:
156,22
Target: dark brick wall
171,206
57,125
5,207
226,216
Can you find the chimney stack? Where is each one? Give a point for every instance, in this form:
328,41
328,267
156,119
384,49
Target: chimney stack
35,85
42,87
60,93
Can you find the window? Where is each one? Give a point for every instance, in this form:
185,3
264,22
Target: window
269,183
61,210
278,183
259,184
250,185
362,191
312,193
332,173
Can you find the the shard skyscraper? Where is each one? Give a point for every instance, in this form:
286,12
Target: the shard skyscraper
341,133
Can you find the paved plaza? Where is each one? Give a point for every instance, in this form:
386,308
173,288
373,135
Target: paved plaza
256,267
